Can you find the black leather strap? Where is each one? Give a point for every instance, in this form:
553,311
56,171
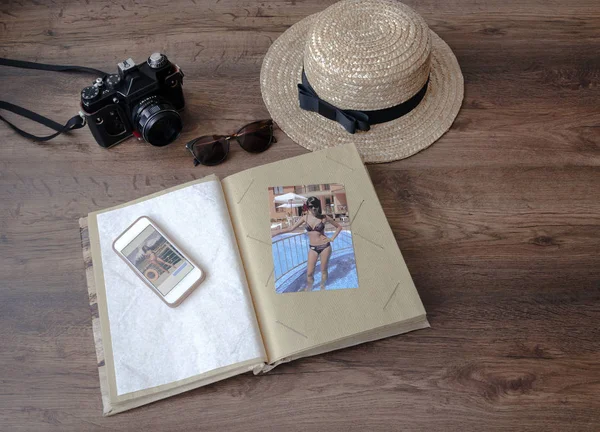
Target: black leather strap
48,67
75,122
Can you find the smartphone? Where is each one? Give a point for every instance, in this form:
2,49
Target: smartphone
156,260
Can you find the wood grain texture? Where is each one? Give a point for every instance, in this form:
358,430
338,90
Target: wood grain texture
499,222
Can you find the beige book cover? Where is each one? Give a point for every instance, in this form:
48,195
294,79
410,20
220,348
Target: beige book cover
316,267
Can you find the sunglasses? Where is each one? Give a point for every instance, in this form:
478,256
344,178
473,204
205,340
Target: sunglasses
210,150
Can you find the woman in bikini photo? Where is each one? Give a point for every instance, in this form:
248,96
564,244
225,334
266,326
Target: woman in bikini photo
319,244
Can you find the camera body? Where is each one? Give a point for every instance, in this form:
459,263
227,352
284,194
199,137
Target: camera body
141,100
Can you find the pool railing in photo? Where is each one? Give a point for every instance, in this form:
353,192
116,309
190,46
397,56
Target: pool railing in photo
291,251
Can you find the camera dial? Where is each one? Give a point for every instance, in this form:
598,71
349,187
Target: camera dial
157,60
112,80
90,93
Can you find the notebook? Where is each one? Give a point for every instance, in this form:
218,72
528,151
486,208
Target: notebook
299,259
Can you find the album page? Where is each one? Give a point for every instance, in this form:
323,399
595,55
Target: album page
321,261
147,350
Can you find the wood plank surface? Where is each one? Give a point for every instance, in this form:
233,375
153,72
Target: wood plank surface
499,222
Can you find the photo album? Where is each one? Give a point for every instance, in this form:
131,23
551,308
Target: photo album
216,278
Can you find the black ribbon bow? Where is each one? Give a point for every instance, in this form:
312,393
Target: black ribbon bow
353,120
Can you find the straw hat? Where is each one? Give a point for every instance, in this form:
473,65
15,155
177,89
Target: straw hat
363,55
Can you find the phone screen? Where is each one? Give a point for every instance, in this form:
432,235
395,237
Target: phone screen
157,260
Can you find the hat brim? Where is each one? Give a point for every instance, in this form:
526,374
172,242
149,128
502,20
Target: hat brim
397,139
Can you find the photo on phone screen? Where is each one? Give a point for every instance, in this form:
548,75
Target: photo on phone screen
157,260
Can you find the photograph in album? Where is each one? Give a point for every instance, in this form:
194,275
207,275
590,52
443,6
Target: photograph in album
311,238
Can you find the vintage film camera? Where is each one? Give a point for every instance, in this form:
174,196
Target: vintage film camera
141,100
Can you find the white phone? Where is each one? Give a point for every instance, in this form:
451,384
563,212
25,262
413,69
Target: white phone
155,260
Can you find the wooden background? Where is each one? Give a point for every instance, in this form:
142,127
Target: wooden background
499,222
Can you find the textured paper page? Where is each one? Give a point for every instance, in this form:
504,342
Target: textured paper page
294,322
112,405
215,327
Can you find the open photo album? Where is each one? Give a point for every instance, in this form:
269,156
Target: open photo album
298,259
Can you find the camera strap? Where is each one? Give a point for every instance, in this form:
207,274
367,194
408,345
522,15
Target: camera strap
75,122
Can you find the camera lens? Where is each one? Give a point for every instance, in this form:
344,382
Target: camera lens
158,122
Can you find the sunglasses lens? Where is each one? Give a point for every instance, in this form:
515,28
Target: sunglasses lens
256,137
211,150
